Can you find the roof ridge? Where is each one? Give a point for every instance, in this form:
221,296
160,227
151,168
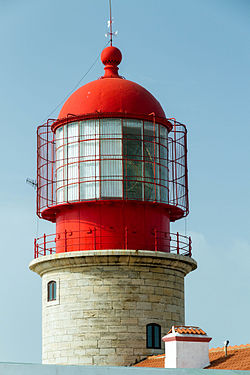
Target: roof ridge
187,330
234,347
157,356
189,325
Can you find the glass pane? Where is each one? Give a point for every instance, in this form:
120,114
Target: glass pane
163,135
72,171
89,172
151,132
163,155
54,290
111,178
133,155
149,142
89,130
59,177
89,190
72,152
150,192
59,137
164,195
157,339
149,179
151,157
72,132
89,149
149,336
60,195
111,169
49,291
133,179
59,157
89,160
111,149
111,128
111,189
73,194
132,139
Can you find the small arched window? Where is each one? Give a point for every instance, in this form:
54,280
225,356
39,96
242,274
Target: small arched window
153,336
52,291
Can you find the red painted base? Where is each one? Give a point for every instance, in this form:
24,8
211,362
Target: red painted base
113,225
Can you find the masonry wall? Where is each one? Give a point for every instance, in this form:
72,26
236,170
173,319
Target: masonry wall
104,304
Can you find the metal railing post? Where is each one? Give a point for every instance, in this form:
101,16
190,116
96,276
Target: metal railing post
65,240
190,247
95,238
35,255
44,244
126,238
178,244
156,245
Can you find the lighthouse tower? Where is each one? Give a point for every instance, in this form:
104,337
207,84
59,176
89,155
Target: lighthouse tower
112,175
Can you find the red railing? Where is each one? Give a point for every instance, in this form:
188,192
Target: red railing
72,241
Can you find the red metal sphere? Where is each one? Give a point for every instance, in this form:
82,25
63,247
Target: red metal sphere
111,55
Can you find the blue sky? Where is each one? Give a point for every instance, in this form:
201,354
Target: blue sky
194,57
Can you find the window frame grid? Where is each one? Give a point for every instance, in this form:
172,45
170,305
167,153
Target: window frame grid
158,183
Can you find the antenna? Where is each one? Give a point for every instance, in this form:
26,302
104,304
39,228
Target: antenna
31,182
110,22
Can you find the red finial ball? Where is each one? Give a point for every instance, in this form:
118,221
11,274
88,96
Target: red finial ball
111,55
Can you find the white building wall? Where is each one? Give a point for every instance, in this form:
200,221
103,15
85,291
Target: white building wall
170,354
184,354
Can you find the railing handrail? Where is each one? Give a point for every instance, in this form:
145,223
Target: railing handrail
176,242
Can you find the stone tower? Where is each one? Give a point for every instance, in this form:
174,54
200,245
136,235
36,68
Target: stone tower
112,175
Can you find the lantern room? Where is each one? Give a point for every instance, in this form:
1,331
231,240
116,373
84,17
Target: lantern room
112,169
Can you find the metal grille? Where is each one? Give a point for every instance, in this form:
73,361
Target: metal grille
46,182
177,162
112,158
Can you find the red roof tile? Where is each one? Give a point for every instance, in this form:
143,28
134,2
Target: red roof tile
238,358
187,330
153,361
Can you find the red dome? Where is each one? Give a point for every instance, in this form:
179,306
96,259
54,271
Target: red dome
111,93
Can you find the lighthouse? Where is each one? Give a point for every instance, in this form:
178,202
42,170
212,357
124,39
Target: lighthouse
112,175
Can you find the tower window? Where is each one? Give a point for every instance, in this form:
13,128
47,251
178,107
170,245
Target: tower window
52,291
153,336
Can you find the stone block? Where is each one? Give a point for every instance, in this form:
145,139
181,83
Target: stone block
103,343
85,361
118,328
129,321
108,351
143,306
